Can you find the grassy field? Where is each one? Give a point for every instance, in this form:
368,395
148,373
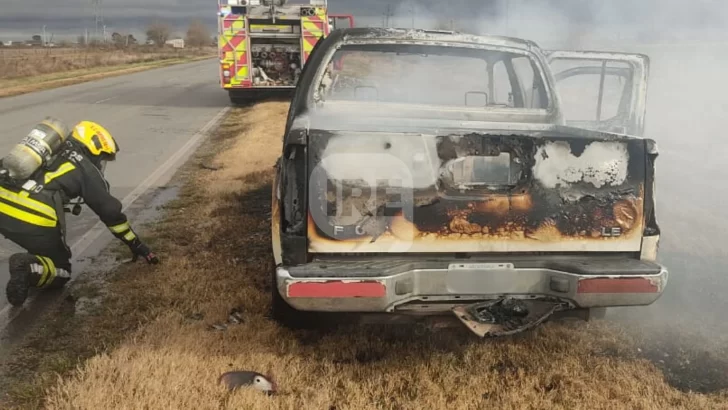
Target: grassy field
150,345
26,70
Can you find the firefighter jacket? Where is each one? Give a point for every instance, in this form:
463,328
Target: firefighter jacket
71,175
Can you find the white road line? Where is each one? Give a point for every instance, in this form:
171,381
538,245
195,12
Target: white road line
99,228
104,100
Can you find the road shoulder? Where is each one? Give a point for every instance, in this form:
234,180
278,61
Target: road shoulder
161,336
42,343
11,88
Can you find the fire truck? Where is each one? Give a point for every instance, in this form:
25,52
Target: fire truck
263,44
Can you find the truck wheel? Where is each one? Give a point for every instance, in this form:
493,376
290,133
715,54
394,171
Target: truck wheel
242,98
585,314
596,314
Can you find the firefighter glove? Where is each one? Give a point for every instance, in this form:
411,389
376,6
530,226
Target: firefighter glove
140,249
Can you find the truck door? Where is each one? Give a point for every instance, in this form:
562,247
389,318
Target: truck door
602,91
233,39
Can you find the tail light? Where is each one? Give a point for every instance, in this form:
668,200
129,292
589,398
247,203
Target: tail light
226,73
618,285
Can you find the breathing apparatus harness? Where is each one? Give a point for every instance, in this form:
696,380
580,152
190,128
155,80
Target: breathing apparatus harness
33,144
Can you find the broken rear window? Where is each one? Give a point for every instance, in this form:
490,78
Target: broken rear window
450,76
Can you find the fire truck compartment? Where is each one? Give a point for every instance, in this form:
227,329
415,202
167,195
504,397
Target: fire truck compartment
276,62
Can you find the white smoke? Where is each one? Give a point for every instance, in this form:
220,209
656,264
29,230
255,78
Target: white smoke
686,42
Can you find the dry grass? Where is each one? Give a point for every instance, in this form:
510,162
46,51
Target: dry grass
24,71
16,63
215,241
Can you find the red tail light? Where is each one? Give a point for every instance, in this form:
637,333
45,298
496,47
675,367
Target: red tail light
226,73
337,289
618,285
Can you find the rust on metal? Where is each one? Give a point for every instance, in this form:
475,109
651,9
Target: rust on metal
504,317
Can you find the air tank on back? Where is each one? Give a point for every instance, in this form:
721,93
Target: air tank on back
41,144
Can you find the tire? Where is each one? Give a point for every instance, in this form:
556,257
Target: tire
242,97
596,314
585,314
245,97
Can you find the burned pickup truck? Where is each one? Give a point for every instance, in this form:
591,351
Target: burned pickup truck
429,173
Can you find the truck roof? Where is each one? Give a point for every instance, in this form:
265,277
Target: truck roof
375,34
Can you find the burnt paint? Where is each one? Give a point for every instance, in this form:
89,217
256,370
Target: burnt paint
518,211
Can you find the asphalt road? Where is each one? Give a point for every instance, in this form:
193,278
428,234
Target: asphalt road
151,114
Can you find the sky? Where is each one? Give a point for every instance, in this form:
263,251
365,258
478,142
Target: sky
20,19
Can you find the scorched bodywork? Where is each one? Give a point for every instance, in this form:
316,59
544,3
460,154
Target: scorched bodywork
475,193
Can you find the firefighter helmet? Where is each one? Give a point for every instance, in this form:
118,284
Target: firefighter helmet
97,140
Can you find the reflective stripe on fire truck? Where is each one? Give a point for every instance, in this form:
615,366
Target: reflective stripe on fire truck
312,29
233,47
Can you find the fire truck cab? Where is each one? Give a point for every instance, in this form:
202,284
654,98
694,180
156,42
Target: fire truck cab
263,44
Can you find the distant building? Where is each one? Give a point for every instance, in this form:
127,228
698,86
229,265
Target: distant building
176,43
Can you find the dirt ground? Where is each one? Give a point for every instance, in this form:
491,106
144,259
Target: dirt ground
153,342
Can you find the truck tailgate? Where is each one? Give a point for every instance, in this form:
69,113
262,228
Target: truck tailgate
578,191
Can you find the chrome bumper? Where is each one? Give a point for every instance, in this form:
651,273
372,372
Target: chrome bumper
435,290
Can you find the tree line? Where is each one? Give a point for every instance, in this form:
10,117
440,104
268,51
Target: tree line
198,34
158,33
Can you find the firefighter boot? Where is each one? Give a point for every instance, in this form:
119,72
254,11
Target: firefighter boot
28,271
22,277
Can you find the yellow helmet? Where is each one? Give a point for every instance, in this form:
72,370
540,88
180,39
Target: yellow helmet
96,139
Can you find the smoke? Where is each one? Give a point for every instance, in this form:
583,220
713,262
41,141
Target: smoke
553,22
686,43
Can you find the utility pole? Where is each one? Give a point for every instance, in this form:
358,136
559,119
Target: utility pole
98,16
412,8
43,39
387,15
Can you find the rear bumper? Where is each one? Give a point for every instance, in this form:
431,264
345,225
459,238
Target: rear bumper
435,287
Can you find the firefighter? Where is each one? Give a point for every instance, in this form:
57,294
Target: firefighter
32,214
